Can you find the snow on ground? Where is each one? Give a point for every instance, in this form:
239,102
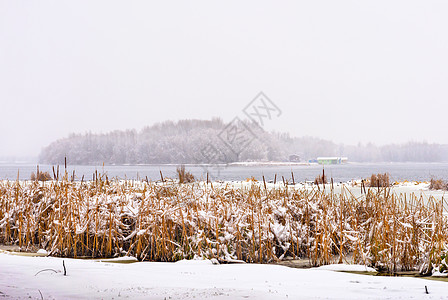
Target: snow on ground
416,188
346,268
199,280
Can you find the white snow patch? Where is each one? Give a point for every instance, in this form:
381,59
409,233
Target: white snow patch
439,274
194,262
121,259
346,268
87,279
42,251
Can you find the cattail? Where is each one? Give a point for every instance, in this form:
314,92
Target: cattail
107,217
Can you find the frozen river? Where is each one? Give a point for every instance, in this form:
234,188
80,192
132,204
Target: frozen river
340,173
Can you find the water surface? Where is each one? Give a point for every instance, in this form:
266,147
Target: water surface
340,173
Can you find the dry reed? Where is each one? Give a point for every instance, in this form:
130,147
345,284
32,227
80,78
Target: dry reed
379,180
41,176
183,175
438,184
321,179
162,221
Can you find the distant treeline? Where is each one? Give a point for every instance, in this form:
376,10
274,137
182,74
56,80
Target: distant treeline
213,141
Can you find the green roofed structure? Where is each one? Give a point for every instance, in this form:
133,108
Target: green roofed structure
332,160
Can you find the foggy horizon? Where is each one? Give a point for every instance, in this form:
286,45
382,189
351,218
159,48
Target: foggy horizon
201,149
33,157
348,72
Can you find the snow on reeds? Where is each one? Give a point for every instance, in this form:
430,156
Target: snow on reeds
438,184
167,221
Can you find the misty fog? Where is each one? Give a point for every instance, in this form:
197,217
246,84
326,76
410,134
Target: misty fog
344,72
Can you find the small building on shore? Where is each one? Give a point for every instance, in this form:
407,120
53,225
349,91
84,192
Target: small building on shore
294,158
332,160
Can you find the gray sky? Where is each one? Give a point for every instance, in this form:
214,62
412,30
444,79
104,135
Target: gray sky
348,71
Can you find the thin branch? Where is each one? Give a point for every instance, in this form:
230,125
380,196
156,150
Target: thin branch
46,270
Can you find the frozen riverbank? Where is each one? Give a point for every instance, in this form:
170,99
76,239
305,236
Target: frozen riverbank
198,279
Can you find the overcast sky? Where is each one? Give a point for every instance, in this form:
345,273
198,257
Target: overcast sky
348,71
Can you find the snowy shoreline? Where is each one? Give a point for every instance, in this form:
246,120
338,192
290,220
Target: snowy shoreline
223,221
199,279
41,276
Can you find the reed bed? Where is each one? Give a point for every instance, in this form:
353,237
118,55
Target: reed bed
379,180
438,184
167,221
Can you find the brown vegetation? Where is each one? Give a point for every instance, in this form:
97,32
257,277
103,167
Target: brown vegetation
321,179
168,222
184,176
379,180
438,184
41,176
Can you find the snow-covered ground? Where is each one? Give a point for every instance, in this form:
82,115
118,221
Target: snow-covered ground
88,279
416,188
198,280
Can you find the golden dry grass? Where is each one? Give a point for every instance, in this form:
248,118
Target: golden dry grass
183,175
40,176
379,180
438,184
168,221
